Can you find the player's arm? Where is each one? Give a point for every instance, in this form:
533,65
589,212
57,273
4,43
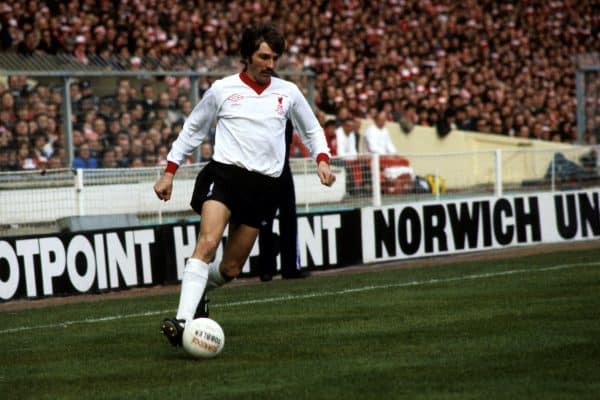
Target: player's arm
164,186
195,129
313,137
325,174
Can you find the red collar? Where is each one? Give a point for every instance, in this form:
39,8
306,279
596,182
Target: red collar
258,88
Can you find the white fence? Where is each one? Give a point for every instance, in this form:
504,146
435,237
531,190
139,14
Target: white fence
32,202
126,191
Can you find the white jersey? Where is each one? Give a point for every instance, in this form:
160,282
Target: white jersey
346,143
250,131
378,141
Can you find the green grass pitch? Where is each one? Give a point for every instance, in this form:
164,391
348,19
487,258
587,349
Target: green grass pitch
514,328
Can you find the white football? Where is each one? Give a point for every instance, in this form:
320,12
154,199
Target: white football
203,338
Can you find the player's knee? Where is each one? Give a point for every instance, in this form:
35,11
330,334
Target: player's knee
230,268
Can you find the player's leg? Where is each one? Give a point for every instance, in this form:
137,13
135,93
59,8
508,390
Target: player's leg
215,216
219,272
240,241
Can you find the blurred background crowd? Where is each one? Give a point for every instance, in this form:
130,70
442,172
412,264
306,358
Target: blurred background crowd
498,67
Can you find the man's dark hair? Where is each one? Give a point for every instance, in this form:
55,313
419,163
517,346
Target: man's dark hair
254,35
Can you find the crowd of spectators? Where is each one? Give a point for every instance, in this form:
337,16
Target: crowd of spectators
498,67
124,129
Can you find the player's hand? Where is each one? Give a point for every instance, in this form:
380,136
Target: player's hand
164,186
324,171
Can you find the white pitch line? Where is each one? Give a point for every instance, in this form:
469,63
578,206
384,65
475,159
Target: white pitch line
66,324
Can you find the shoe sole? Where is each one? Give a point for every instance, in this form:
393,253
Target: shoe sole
171,332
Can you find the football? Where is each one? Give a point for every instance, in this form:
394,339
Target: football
203,338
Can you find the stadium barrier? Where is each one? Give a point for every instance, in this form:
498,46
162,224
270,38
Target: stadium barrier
35,201
118,235
116,259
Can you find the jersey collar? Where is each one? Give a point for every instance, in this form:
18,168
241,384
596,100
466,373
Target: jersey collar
258,88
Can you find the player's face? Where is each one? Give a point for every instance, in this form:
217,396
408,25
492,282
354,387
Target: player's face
262,64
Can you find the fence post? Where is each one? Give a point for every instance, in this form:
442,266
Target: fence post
375,180
498,166
68,121
79,192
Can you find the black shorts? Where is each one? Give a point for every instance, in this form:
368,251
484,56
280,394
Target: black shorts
251,197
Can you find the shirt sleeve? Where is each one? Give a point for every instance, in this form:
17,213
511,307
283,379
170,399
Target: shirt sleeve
307,125
196,127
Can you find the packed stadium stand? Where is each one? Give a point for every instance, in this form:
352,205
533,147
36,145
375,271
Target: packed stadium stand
486,66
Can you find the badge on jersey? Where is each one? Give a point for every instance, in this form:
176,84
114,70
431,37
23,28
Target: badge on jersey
279,108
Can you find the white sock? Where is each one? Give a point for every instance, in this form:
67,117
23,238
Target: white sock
193,285
215,277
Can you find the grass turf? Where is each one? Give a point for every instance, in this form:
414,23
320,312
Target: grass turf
527,327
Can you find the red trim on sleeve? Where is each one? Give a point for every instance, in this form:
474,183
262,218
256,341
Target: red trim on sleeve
171,167
322,157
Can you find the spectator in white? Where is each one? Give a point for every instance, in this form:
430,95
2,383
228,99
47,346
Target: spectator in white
377,138
346,139
396,173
